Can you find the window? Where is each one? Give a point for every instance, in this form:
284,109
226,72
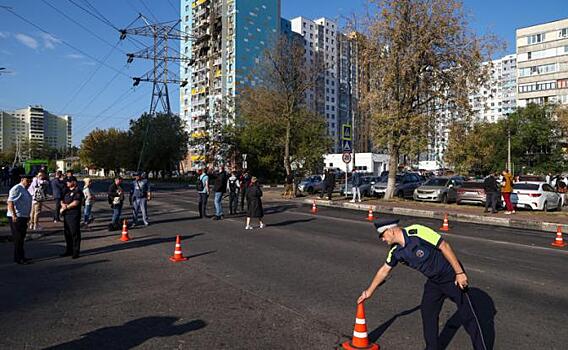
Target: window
535,39
562,84
563,33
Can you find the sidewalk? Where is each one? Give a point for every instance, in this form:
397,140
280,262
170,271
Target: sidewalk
533,220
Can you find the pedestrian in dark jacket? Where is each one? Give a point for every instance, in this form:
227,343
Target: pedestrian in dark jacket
116,200
491,193
220,187
330,183
254,210
57,188
245,182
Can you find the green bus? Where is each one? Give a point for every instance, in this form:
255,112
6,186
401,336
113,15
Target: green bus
33,166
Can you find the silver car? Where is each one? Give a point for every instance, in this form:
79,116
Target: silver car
311,184
365,187
439,189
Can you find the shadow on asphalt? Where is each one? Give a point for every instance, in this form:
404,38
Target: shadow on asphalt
131,334
485,310
134,243
380,330
278,209
291,222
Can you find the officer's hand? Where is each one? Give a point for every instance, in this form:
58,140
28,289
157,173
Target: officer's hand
364,296
461,281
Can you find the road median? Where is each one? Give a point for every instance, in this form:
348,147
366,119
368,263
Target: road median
454,214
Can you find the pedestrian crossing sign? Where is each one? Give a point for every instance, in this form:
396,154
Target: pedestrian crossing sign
346,145
346,132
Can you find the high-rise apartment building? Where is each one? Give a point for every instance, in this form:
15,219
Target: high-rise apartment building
229,38
35,124
542,60
335,96
492,102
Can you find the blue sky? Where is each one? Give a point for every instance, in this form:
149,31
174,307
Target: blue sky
62,71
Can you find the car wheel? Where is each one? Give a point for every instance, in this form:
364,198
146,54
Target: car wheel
400,194
445,198
458,202
310,190
545,207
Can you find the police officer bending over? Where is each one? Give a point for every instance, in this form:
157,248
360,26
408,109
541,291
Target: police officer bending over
423,249
71,211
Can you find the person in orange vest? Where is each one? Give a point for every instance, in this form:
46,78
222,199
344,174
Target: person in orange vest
423,249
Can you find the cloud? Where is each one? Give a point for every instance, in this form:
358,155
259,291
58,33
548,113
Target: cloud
4,35
49,40
27,40
75,56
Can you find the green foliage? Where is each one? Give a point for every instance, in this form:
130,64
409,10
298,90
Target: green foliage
535,143
161,138
108,149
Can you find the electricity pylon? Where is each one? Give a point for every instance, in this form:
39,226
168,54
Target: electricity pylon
161,53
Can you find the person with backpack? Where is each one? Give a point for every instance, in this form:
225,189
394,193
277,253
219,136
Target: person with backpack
203,191
38,190
233,186
116,200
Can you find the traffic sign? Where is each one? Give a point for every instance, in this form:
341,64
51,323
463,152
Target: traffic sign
346,157
346,145
346,132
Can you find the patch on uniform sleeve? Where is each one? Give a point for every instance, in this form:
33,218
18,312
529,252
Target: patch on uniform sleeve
425,233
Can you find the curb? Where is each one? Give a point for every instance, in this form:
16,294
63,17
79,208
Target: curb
435,214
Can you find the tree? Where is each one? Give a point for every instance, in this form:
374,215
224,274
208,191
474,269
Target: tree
161,142
108,149
274,107
418,54
536,143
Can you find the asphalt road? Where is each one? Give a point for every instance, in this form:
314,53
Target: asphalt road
291,285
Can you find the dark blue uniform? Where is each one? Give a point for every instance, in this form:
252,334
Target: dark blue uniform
421,252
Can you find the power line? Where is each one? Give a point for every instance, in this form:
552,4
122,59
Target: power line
63,41
150,11
88,80
100,18
106,86
173,7
82,26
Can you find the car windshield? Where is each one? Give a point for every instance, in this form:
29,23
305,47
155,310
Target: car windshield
385,178
472,185
531,187
436,182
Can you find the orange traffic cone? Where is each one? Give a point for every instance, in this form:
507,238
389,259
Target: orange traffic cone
370,216
178,256
125,237
314,207
445,227
360,340
559,241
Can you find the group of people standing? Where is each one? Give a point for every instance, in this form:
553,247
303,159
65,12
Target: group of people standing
71,204
24,205
239,186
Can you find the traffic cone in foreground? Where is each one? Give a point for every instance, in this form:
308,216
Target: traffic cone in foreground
314,207
125,237
360,340
445,227
559,241
370,216
178,256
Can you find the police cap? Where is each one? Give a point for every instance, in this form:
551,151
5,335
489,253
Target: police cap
383,225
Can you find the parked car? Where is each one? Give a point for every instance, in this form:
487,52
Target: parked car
439,189
471,192
311,184
365,188
535,196
406,183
